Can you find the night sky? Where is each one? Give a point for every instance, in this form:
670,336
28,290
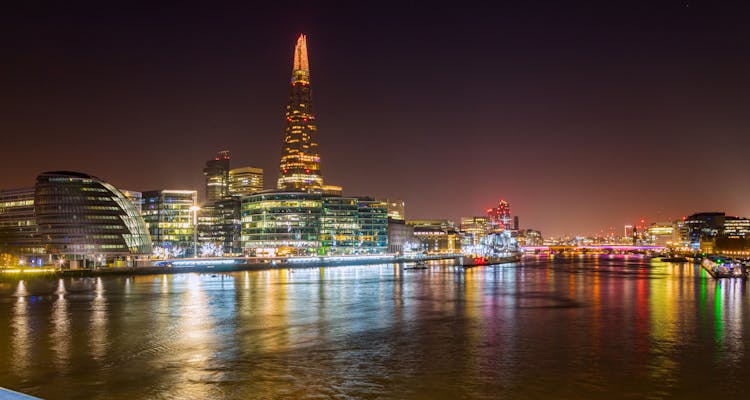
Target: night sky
583,115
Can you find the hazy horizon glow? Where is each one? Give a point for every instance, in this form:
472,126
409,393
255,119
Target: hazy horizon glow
584,116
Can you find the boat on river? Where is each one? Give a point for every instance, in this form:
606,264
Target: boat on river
721,267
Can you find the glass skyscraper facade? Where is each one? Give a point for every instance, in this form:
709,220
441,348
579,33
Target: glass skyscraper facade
304,223
339,225
281,223
217,176
19,232
373,225
300,160
169,218
219,223
81,217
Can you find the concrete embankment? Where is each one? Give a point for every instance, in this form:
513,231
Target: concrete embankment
206,266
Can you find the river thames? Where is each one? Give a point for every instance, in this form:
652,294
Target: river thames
621,327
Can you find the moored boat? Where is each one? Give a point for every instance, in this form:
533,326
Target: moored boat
722,267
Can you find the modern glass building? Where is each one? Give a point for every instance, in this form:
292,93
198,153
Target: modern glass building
373,226
245,181
300,160
19,233
281,223
82,218
169,218
219,223
217,176
339,225
305,223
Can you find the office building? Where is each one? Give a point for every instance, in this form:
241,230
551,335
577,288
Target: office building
245,181
339,225
170,220
217,177
396,209
373,226
276,223
436,236
219,224
736,227
473,229
19,232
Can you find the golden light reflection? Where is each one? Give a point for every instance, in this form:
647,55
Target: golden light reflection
61,331
99,316
196,341
21,339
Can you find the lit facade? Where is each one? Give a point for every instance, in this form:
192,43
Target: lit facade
281,223
339,225
169,218
473,229
396,209
703,227
305,223
300,160
19,232
219,223
245,181
661,233
436,236
135,197
736,227
217,176
373,226
82,218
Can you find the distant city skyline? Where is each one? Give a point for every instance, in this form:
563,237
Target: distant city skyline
582,121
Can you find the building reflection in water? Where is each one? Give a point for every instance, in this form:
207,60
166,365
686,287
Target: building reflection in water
580,327
60,337
21,339
99,340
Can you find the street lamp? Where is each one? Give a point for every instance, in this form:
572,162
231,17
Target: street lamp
195,209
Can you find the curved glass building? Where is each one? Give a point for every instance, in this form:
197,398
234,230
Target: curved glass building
81,217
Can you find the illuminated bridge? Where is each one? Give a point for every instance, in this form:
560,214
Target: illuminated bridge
602,248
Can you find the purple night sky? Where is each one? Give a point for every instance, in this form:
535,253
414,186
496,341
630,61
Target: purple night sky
583,115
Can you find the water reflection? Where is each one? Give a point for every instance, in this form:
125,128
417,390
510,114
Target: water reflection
21,337
60,338
582,327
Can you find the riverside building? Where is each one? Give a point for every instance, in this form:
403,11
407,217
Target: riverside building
19,232
277,223
170,219
84,221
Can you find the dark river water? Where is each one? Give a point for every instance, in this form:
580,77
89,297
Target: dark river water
577,329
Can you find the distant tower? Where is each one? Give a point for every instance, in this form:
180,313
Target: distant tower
217,177
499,217
300,161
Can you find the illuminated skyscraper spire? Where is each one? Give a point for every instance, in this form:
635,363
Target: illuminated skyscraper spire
300,161
300,55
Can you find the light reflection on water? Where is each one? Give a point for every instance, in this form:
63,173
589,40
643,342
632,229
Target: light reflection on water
582,328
